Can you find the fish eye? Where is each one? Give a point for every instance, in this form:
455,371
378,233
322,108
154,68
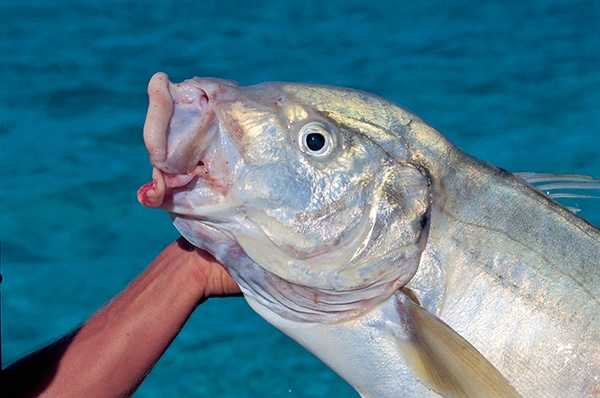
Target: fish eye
316,139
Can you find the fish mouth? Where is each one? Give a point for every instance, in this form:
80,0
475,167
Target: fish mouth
180,133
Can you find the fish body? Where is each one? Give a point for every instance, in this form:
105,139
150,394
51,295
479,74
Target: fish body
408,266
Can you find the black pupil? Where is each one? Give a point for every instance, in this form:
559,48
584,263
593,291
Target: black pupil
315,141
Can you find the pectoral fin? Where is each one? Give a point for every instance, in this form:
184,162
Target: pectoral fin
444,361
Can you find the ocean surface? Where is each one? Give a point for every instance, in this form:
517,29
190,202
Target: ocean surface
516,83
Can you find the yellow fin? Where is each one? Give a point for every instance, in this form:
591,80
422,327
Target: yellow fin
444,361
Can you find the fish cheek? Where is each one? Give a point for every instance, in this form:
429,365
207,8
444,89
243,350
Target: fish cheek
372,234
274,187
297,215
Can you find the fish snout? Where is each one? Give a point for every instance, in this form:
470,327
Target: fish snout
177,124
180,129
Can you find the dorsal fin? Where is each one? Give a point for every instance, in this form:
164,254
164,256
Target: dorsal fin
563,186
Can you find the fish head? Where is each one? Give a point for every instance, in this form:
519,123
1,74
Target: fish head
277,180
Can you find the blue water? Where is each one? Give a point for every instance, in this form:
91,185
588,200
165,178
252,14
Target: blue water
516,83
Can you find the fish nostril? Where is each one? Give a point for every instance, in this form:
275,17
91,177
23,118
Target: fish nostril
203,100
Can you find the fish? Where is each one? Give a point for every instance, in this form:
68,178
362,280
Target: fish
406,265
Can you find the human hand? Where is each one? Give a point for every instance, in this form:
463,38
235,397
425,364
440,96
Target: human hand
212,277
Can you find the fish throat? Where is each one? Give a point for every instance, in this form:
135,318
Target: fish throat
308,296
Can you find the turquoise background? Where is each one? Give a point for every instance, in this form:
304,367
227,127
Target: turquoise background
516,83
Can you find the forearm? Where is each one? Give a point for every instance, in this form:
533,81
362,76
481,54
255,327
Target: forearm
113,351
134,330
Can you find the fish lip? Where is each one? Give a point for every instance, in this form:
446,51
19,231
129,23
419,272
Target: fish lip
180,127
178,119
172,191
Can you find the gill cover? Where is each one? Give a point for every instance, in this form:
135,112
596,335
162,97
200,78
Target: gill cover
334,211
